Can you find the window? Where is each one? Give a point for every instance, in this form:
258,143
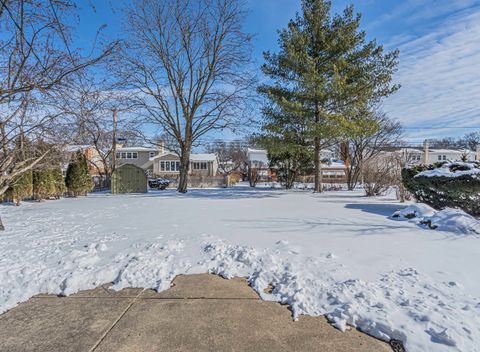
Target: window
439,157
444,157
199,166
151,154
134,155
124,155
169,165
129,155
117,155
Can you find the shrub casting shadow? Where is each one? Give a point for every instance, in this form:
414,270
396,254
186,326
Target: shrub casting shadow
378,209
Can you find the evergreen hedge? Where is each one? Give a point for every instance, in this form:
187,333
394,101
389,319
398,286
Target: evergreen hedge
48,183
43,184
21,189
59,181
77,180
459,191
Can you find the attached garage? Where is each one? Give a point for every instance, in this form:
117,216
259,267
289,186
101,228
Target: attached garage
129,178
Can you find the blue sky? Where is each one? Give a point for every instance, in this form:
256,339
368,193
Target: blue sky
439,42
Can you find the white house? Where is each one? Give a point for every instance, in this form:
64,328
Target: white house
413,156
257,158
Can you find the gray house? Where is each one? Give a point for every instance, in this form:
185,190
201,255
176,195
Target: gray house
139,156
168,165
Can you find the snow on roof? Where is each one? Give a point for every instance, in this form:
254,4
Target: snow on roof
203,157
137,149
451,151
259,155
193,157
411,150
260,151
334,164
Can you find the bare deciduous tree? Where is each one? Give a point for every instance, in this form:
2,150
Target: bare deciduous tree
189,61
365,145
35,60
94,107
232,156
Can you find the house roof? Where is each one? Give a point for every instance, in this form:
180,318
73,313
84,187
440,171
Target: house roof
257,155
334,164
203,157
137,149
193,157
451,151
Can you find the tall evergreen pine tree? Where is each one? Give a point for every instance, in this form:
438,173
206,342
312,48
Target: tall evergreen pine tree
324,72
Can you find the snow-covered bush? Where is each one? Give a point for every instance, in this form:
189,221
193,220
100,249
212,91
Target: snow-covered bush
413,211
453,220
453,184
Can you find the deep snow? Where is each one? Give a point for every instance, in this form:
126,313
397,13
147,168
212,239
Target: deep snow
337,254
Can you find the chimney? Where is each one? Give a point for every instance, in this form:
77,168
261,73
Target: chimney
161,146
426,151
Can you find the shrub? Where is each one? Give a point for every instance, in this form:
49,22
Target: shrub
77,180
378,176
21,189
454,185
43,184
59,180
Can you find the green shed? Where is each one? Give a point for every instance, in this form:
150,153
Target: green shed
129,178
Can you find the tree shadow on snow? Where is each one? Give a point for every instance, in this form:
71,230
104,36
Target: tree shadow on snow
218,193
305,225
378,209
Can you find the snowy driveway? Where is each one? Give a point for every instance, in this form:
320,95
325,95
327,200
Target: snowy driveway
336,254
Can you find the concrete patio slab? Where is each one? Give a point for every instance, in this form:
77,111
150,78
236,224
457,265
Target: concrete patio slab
199,313
205,286
59,324
223,325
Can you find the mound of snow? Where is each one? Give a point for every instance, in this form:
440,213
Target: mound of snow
404,304
453,220
413,211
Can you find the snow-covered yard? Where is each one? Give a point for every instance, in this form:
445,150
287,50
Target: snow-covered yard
337,253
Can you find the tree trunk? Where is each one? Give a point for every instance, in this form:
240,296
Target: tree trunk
353,175
318,167
184,167
252,176
318,162
292,175
2,228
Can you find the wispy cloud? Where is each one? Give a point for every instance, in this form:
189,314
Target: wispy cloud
439,72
